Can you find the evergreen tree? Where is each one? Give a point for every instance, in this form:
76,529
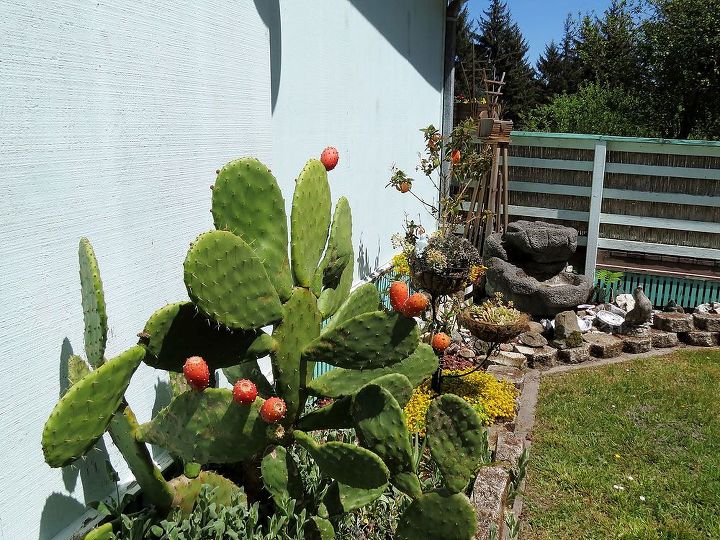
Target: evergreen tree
550,71
502,45
468,63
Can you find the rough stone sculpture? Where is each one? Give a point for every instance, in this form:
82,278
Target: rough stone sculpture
642,312
527,265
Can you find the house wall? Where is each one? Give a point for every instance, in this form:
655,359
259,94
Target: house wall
113,119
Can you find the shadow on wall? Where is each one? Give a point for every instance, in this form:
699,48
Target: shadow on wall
398,26
364,266
269,11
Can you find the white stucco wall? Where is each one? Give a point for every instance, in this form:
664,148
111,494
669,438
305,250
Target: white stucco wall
113,119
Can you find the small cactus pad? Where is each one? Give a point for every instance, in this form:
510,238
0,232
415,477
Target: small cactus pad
456,438
335,273
336,415
362,300
93,304
177,331
178,383
247,201
208,427
310,221
281,476
123,431
103,532
250,371
397,385
341,498
317,528
300,325
438,516
417,367
186,490
227,281
81,416
77,369
368,341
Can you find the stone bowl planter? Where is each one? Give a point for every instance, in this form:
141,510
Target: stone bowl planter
493,333
440,283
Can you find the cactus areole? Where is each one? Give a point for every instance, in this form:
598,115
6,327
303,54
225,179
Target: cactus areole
258,288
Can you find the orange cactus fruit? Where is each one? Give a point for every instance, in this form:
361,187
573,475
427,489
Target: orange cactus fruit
415,305
398,295
440,341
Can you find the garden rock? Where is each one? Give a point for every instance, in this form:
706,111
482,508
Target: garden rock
663,340
641,313
707,321
565,324
608,321
536,328
508,449
712,307
513,375
511,359
489,497
699,338
626,302
532,339
541,242
466,353
672,307
604,345
575,355
673,322
636,344
543,358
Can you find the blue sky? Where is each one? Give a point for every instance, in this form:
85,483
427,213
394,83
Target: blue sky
540,20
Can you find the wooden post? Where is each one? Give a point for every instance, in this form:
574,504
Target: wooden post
506,180
489,223
596,198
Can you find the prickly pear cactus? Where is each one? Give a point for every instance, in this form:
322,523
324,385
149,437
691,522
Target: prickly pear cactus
249,300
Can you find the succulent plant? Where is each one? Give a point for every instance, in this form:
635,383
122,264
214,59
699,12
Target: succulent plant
240,281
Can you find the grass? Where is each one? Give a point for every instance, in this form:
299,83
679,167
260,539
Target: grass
628,451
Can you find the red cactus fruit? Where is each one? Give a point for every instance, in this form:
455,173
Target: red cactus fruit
440,341
329,158
455,157
244,392
272,410
415,305
403,187
196,373
398,295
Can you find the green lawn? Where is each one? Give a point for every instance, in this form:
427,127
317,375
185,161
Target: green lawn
630,450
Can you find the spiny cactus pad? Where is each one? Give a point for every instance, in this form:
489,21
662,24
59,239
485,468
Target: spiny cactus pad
208,427
438,516
300,325
336,415
341,498
310,221
227,281
456,438
397,385
77,369
364,299
417,367
318,528
335,272
186,490
177,331
93,304
123,431
103,532
250,371
368,341
247,201
82,415
281,476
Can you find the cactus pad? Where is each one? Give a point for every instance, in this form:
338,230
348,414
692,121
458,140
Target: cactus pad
438,516
247,201
93,304
397,385
310,221
417,367
186,490
317,528
281,476
336,415
341,498
368,341
177,331
250,371
362,300
208,427
456,438
227,281
81,416
103,532
300,325
77,369
335,273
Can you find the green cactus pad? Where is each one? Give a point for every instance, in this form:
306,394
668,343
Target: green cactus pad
247,201
336,415
300,325
208,427
417,367
177,331
77,369
397,385
227,281
186,490
310,221
250,371
81,416
103,532
281,476
364,299
318,528
368,341
178,384
438,516
456,438
341,498
123,431
93,304
335,273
